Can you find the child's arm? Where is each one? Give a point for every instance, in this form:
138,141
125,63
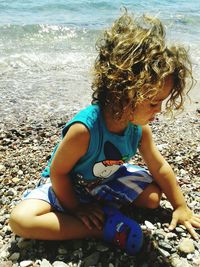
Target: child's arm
73,146
165,177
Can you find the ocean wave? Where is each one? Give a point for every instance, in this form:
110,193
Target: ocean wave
18,31
43,37
45,62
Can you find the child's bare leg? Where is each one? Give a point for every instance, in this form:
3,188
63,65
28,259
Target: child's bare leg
150,197
34,219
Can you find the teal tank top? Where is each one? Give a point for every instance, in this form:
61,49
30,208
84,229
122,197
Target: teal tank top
106,152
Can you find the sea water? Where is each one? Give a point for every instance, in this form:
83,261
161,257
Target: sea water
47,49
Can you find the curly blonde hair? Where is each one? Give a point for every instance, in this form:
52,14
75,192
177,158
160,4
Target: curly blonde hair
133,63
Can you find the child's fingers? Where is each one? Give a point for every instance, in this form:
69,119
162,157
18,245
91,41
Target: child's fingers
96,222
191,230
195,222
99,215
197,218
173,224
85,220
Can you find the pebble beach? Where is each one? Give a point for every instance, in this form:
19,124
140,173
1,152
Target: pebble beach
47,50
25,148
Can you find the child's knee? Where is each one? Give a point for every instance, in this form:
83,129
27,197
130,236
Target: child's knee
21,222
154,196
150,197
154,200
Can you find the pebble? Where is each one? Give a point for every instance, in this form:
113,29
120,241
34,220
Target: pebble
15,256
171,236
162,146
180,262
149,225
165,245
179,229
6,264
60,264
62,250
23,243
20,172
2,168
26,263
45,263
92,259
164,252
186,246
102,248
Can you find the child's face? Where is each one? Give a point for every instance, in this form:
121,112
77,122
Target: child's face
146,111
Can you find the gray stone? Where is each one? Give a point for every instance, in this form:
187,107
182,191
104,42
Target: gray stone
165,245
24,243
171,235
164,252
179,229
15,256
92,259
62,250
102,248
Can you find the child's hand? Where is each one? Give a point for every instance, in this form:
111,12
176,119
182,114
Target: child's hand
185,216
91,215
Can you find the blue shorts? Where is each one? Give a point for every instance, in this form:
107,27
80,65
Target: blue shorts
123,187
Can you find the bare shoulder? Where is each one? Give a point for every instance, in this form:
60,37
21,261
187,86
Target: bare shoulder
146,134
77,130
78,135
73,146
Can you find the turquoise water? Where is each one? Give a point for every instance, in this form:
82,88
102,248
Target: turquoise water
47,48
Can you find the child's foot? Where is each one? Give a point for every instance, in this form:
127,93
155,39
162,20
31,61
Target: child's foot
122,231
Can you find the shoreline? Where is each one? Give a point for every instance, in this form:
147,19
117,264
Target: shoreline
25,148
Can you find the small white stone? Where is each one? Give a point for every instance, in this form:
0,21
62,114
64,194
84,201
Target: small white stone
143,227
45,263
2,168
162,146
149,225
3,254
190,256
179,159
25,263
20,172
